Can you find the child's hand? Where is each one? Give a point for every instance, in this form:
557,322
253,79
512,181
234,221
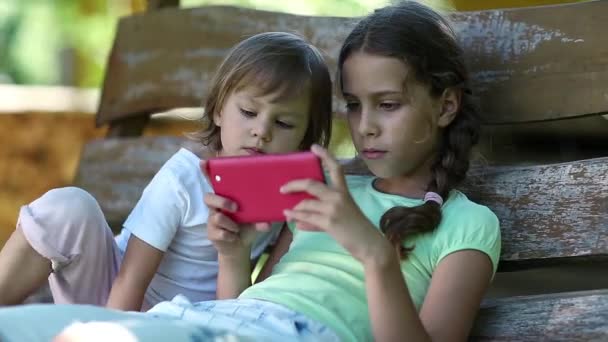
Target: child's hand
335,212
228,236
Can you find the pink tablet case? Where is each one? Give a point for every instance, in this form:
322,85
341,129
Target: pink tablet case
253,182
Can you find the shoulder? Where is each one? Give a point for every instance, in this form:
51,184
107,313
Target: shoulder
179,178
184,169
183,162
460,210
467,225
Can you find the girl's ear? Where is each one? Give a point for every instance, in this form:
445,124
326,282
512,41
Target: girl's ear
217,118
450,104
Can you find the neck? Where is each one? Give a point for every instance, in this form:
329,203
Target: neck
413,184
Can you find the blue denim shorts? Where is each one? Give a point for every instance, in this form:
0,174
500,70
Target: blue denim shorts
177,320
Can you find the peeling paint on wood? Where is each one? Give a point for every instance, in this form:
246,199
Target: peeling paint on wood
579,316
137,91
134,59
547,211
520,59
505,38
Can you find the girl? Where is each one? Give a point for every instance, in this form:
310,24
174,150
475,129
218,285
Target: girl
163,249
401,255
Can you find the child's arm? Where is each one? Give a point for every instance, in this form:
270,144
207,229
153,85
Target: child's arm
278,250
233,243
449,308
138,267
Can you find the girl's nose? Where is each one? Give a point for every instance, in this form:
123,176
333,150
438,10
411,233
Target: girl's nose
262,130
367,124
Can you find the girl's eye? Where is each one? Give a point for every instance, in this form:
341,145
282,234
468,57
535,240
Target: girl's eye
284,124
352,107
247,113
389,106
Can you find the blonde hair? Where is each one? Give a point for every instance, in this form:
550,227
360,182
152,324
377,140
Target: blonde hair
273,61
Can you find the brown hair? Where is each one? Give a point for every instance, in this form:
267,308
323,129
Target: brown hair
273,61
423,39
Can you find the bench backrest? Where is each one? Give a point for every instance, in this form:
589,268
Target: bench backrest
542,78
530,65
523,61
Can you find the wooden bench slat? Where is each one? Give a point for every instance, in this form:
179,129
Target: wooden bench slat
116,171
547,211
528,64
578,316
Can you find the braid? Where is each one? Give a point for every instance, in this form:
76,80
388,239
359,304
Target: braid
401,223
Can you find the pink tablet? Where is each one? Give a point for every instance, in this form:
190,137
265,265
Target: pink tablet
253,182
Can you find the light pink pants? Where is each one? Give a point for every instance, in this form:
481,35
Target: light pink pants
67,227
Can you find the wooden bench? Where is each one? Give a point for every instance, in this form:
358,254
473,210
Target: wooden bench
542,77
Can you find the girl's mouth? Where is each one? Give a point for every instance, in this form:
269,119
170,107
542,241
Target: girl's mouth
373,154
253,150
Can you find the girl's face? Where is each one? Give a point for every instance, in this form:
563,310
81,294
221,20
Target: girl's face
254,124
394,121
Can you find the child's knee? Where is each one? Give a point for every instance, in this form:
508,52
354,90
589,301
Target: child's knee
66,208
61,222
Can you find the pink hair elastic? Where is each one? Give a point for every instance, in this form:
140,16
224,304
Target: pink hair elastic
433,196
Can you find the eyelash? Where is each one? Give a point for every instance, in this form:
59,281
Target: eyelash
386,106
391,106
284,125
351,107
250,114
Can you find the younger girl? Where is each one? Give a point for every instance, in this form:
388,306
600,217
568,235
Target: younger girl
272,94
401,255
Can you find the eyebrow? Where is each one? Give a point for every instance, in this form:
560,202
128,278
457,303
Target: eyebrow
379,93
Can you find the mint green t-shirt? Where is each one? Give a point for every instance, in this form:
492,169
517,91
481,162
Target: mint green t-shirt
319,278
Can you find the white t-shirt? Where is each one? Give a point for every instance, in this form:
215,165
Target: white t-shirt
172,217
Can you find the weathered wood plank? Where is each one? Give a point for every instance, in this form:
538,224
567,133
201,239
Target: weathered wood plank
578,316
134,125
520,58
547,211
116,170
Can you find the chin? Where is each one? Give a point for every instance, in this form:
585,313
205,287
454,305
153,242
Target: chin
380,169
385,169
